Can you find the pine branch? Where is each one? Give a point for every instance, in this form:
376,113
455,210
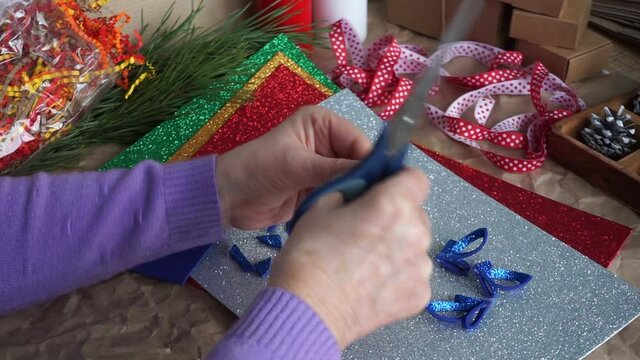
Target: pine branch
189,63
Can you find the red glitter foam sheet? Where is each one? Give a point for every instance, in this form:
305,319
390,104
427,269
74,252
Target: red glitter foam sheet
276,99
595,237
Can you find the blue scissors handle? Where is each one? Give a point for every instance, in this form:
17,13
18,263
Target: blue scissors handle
379,165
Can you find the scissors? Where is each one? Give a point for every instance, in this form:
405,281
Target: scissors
388,154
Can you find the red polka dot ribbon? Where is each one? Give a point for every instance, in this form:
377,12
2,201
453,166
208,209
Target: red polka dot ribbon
503,65
374,73
525,132
376,76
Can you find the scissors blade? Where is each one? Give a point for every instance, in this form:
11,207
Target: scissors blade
402,125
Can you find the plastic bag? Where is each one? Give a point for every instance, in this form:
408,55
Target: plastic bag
55,61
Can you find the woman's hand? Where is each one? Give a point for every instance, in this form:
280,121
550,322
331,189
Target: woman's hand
364,264
359,265
262,182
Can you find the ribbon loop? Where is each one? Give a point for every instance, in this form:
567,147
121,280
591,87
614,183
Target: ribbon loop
452,256
472,310
377,71
490,56
507,58
536,125
489,276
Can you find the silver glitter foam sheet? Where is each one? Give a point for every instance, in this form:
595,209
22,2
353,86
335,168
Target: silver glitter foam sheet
571,306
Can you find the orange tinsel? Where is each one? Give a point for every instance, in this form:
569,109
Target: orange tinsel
56,67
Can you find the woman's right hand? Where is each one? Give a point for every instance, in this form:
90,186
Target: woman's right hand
363,264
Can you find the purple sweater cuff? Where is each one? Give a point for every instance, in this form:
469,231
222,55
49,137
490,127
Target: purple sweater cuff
191,197
71,230
279,325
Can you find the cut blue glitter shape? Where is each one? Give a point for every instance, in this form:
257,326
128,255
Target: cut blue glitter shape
451,257
272,240
488,276
263,267
273,229
237,255
473,310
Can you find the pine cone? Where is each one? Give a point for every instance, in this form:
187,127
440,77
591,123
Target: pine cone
613,136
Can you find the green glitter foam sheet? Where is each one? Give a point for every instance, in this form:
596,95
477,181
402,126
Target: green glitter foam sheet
165,140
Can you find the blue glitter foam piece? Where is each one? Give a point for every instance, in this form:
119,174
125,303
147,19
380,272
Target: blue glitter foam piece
272,240
263,267
471,310
451,257
244,263
176,268
488,275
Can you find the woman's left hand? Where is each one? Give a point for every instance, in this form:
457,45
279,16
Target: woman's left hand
262,182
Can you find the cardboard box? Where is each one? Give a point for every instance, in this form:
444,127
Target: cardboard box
422,16
429,17
212,13
565,31
571,65
493,24
554,8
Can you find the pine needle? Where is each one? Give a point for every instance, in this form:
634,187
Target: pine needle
189,63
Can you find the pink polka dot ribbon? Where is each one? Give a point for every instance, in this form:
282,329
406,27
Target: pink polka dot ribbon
376,75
